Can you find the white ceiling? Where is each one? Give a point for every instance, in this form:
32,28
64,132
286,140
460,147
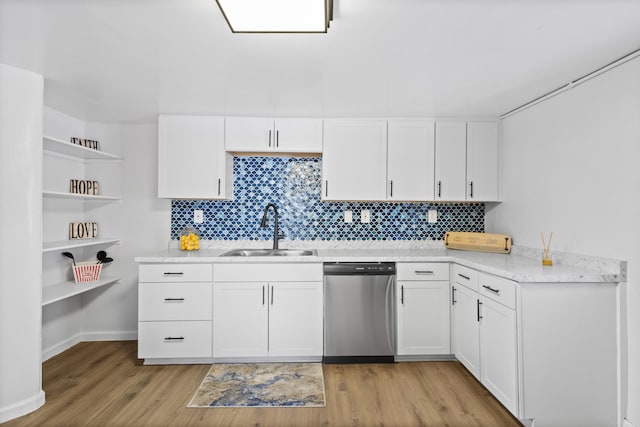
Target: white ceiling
128,60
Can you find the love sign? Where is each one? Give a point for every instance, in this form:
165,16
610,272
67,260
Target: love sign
83,230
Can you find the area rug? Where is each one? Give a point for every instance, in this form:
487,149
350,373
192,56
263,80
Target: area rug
261,385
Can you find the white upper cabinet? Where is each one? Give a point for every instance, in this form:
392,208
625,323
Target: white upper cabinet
466,165
482,161
450,163
257,134
410,160
354,160
192,162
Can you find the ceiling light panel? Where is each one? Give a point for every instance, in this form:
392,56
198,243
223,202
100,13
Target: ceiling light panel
276,16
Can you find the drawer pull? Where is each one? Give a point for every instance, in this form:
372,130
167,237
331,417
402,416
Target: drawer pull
489,288
424,272
464,277
173,299
174,338
173,273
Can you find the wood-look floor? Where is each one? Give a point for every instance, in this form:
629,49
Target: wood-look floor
104,384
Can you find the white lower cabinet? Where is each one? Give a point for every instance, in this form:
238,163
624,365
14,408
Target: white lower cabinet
484,331
422,293
498,352
240,318
174,311
269,310
465,328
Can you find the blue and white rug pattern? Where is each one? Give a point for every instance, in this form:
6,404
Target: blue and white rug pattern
261,385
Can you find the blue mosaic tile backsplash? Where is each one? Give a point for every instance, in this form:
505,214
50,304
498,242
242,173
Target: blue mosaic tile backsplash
293,184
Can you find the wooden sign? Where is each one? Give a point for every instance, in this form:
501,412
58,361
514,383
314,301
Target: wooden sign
83,230
88,143
83,186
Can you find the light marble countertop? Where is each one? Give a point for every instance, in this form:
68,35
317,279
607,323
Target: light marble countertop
522,265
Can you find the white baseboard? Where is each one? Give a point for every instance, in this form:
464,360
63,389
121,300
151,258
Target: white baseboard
61,346
627,423
21,408
110,336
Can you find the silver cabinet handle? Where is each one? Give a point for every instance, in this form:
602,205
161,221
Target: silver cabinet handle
489,288
173,273
424,272
479,304
402,294
439,188
326,188
269,137
471,189
453,295
174,338
277,138
174,300
464,277
271,295
391,190
262,294
219,185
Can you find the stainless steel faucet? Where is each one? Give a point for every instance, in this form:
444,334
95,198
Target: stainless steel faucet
263,224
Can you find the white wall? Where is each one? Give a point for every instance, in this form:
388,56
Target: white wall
142,221
21,95
570,165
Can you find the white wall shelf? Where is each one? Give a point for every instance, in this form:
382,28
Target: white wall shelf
63,290
63,147
84,197
61,245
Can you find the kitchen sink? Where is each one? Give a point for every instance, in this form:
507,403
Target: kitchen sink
271,252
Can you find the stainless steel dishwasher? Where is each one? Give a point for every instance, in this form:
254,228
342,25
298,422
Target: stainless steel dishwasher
359,319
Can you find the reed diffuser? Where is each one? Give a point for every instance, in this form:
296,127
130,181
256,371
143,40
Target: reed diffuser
546,259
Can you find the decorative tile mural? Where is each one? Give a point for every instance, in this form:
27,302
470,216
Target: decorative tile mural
293,185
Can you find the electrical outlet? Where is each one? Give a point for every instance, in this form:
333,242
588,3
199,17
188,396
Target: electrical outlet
432,216
365,217
198,216
348,216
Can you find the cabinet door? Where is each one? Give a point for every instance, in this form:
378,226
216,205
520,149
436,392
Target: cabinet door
240,316
354,160
482,161
298,135
295,319
451,150
498,352
192,163
410,160
465,328
249,134
423,317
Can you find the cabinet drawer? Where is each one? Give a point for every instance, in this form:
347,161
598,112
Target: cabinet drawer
465,276
171,301
295,272
175,273
422,271
498,289
174,339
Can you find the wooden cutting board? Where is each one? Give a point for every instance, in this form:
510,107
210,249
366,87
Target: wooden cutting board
479,242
